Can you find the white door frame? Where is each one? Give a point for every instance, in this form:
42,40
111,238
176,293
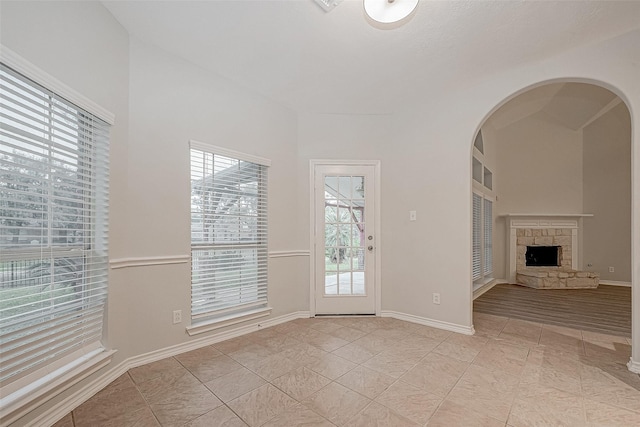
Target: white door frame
312,227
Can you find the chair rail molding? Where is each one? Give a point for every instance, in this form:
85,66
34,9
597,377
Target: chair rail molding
148,261
289,254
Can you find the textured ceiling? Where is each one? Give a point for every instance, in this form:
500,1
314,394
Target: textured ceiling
313,61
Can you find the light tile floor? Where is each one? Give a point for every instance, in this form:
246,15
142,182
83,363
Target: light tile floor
381,372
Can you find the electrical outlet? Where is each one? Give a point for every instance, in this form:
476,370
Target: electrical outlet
436,298
612,270
412,215
177,316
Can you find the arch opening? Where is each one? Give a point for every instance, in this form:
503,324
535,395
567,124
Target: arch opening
559,157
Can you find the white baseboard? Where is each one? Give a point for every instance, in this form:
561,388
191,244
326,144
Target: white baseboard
466,330
15,405
634,366
283,319
79,397
615,283
230,320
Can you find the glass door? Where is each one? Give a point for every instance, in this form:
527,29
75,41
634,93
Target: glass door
345,243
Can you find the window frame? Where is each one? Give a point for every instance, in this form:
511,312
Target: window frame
203,321
487,237
482,237
25,392
482,250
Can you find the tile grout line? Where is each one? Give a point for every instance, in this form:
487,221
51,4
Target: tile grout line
405,333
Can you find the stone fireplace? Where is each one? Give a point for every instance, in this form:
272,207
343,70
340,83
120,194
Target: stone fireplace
543,252
538,238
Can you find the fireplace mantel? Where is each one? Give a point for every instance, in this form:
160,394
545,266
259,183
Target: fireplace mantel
538,215
547,215
565,224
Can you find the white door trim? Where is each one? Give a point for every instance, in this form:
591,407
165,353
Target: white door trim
312,223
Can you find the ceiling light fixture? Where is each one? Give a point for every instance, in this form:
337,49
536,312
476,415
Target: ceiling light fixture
390,13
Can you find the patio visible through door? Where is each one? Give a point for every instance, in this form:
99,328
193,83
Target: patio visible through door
345,243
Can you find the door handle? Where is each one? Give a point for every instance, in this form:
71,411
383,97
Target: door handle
370,248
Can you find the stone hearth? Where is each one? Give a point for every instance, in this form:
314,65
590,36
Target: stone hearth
555,278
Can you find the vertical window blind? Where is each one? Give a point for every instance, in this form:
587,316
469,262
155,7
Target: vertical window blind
228,232
53,227
487,237
476,243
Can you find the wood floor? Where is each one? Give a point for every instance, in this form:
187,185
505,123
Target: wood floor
606,309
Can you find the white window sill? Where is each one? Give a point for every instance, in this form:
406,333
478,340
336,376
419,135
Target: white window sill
221,322
482,282
18,402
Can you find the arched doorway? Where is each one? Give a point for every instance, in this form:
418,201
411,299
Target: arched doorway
555,158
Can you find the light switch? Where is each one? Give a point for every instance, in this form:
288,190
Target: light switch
412,215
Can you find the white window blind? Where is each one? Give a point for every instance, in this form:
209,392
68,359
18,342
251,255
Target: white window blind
53,227
487,237
477,230
228,233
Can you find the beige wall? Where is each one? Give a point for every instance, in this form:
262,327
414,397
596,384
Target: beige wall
540,167
607,195
424,164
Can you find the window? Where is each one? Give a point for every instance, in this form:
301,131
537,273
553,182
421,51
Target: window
478,143
487,237
53,229
482,237
480,173
477,237
228,232
488,179
477,170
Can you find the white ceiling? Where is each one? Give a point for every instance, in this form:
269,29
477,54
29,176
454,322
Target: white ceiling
294,53
572,105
